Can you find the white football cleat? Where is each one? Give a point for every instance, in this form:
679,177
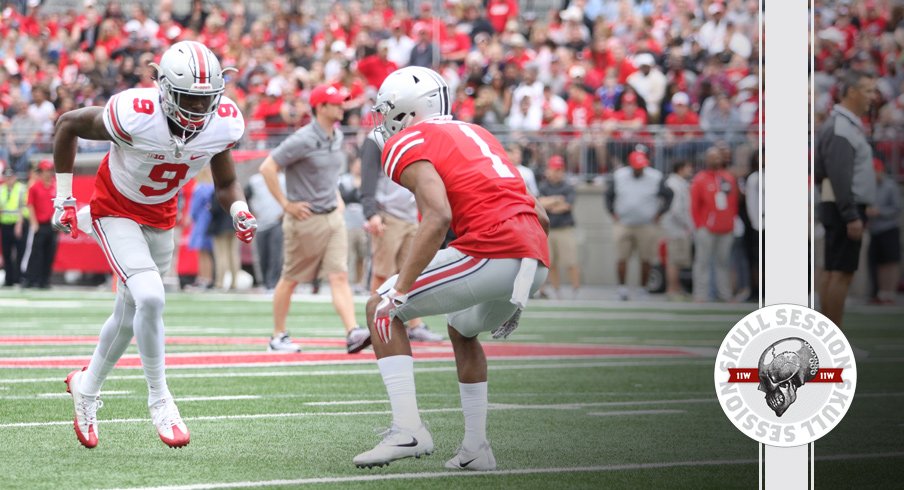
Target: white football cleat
85,411
422,333
170,427
480,460
283,343
397,444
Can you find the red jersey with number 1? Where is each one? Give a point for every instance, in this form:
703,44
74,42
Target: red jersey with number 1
493,216
141,176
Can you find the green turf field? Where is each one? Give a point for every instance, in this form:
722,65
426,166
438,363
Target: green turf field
618,420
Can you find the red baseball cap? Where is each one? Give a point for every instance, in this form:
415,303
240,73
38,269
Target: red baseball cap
326,94
45,165
556,162
638,160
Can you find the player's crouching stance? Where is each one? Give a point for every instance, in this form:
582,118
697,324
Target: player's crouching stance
161,137
460,176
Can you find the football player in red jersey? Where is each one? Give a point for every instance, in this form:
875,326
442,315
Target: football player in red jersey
461,177
160,138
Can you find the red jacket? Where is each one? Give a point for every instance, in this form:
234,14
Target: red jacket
704,210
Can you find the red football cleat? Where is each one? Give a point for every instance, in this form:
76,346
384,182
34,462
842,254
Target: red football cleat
170,427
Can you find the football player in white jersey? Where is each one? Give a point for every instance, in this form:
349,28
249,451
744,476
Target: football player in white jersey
161,137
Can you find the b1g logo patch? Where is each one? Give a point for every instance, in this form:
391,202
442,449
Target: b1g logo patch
785,375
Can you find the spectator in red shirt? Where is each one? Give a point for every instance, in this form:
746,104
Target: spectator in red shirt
499,12
714,207
683,135
269,116
376,67
618,60
455,42
580,115
520,55
622,129
44,241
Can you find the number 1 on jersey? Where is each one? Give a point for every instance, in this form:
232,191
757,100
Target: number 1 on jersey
501,168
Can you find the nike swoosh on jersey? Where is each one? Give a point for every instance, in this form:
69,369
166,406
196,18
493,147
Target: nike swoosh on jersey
195,157
410,444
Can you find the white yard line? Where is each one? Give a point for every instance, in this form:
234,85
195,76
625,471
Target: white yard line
494,366
492,406
67,395
519,471
347,402
724,320
635,412
218,398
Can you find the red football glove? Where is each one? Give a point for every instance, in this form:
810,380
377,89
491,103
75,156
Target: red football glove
64,216
386,311
245,225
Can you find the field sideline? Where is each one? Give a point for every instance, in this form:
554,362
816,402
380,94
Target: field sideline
584,395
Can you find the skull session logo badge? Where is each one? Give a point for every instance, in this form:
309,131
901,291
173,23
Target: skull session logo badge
785,375
781,373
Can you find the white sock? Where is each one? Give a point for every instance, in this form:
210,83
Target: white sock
147,290
474,406
113,342
398,376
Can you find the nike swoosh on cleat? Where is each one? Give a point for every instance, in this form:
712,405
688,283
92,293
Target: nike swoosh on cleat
466,463
410,444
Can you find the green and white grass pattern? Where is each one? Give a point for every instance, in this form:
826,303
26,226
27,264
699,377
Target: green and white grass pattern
631,422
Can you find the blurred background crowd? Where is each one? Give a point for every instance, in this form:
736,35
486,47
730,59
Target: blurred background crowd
584,82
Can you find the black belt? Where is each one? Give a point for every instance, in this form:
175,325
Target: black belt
325,211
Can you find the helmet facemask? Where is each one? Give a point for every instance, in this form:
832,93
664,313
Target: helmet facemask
174,106
384,121
191,83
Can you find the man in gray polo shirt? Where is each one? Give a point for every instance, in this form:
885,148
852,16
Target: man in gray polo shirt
315,239
847,185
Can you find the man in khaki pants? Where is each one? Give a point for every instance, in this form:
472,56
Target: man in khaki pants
636,198
557,198
314,234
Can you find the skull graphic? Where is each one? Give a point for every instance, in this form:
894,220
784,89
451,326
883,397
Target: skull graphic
784,367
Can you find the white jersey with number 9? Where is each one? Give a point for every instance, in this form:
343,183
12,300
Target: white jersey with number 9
144,170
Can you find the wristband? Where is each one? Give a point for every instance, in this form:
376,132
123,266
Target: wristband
396,297
237,207
64,185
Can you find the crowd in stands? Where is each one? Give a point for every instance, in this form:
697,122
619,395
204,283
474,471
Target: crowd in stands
588,80
613,66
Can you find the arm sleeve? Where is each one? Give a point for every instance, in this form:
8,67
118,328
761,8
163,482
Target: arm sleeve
570,195
347,190
698,213
610,195
752,197
891,207
370,175
665,192
838,158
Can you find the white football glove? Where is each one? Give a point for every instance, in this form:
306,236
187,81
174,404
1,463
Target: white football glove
64,216
386,311
245,225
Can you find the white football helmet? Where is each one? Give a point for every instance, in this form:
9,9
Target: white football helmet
408,96
189,69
